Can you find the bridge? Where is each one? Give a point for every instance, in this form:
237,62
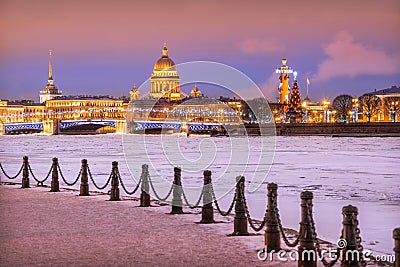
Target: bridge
23,127
91,126
63,126
177,126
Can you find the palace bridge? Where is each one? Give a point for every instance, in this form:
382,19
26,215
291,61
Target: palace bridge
103,126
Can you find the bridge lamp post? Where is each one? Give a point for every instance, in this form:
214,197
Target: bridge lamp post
326,110
393,110
355,109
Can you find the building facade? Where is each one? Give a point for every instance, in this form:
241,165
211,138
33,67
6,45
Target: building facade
165,81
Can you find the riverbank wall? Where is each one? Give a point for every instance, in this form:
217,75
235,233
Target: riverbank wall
339,129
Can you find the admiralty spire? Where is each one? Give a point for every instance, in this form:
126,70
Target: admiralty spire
50,91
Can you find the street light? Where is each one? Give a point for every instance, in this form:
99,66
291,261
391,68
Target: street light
355,109
393,110
326,110
304,105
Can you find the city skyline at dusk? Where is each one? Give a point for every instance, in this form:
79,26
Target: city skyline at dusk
104,48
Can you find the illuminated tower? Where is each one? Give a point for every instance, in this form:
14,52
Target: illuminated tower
50,91
283,88
165,79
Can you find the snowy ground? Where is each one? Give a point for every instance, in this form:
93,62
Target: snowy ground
363,172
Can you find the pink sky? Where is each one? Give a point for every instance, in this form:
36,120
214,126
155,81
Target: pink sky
327,40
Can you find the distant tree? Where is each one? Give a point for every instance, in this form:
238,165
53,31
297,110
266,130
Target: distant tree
370,105
342,104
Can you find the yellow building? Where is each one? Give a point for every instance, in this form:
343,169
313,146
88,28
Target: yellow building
165,81
64,108
11,113
85,108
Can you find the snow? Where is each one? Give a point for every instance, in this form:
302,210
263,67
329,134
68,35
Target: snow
363,172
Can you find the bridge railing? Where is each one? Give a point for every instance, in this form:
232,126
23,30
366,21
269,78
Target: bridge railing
349,249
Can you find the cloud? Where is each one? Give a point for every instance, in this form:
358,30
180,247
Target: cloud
348,58
260,46
270,87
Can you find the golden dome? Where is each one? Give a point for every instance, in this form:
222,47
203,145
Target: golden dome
165,63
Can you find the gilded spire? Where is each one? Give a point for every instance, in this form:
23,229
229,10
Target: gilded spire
51,65
165,50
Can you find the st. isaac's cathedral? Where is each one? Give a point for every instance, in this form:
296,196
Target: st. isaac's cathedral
166,101
165,81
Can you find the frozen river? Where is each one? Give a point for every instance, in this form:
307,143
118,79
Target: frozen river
364,172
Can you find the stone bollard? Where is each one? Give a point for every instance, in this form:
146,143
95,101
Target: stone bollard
84,190
145,196
114,192
396,236
240,220
55,184
177,192
306,251
25,173
349,258
207,211
272,235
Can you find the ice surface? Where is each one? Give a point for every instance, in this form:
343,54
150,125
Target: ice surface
363,172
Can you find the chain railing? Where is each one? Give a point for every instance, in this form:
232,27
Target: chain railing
307,237
215,200
196,205
124,187
94,183
326,263
8,176
155,192
65,180
281,229
40,182
358,240
253,223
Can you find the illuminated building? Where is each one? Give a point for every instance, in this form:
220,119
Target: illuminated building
84,108
191,109
316,112
50,91
195,92
390,104
165,81
134,94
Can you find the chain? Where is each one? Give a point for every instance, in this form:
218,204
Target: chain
95,185
11,177
311,221
217,206
65,181
275,205
155,193
198,201
251,221
359,240
123,185
39,183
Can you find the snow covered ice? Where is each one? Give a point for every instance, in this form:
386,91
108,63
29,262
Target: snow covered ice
363,172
